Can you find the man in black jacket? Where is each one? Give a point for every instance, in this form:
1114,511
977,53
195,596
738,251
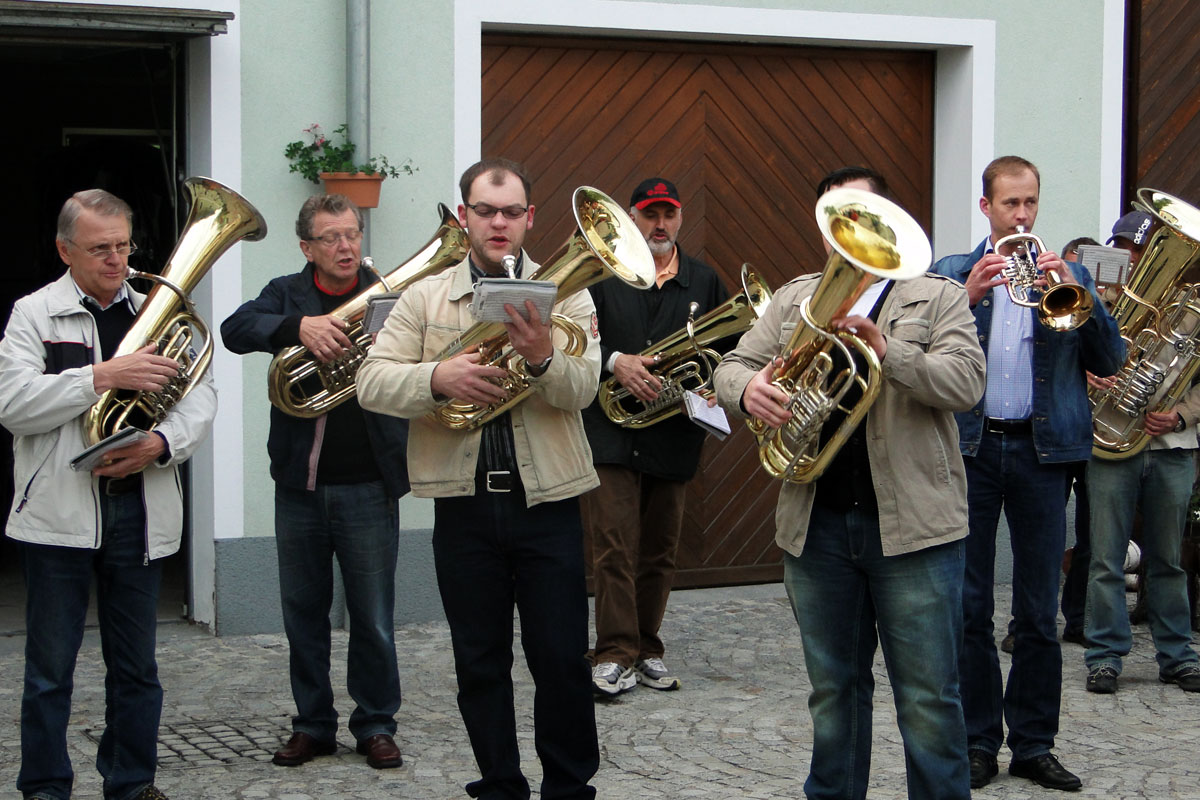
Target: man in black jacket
635,516
337,481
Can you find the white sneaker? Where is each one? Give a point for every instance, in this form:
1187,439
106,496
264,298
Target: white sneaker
609,678
653,672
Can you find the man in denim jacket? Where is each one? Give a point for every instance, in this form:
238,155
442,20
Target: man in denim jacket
1019,445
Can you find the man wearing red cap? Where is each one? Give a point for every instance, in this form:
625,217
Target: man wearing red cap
635,516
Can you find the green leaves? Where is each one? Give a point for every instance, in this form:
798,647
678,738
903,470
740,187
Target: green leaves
311,158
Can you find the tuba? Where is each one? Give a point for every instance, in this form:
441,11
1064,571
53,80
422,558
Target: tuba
606,244
301,386
1159,314
1063,306
683,361
217,219
871,238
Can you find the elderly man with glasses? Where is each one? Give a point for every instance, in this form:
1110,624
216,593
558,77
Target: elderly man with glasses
338,478
115,522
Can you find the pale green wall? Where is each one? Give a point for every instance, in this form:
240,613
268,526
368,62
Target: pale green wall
1048,94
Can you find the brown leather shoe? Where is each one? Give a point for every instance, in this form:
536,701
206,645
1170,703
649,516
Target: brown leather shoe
301,749
381,751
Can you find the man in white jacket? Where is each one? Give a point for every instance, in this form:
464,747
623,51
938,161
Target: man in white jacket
116,522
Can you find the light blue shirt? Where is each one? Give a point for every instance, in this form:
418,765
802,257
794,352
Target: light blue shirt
1010,358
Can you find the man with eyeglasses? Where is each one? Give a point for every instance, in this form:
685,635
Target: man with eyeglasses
116,522
635,517
506,526
338,478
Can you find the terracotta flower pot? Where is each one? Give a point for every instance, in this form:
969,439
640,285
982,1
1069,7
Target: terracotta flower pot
361,187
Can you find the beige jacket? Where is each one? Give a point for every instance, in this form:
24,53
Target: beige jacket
934,366
553,456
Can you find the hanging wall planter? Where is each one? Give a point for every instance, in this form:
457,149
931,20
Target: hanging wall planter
361,187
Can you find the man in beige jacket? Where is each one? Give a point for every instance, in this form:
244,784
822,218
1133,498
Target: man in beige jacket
506,513
873,549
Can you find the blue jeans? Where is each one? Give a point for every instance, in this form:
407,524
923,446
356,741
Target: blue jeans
57,583
491,552
1162,480
847,597
1006,474
359,524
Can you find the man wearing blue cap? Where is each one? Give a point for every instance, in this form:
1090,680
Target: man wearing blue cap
1161,478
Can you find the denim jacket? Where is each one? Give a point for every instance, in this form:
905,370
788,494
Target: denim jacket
1062,416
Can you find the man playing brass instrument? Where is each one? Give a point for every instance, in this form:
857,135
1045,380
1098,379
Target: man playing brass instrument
116,522
1020,445
338,478
506,524
1158,479
873,549
635,516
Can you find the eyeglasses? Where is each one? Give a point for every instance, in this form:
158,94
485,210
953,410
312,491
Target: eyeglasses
487,212
104,252
332,239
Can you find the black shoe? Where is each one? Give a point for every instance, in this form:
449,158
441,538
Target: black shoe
1102,680
1044,770
1075,636
1186,677
983,768
150,792
1008,643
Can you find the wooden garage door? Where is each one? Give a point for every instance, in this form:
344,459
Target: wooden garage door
746,133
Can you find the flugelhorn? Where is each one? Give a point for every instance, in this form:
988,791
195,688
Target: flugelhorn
606,244
1159,315
1064,305
217,219
684,362
300,385
871,238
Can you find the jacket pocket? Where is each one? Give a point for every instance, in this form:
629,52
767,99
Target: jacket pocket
916,331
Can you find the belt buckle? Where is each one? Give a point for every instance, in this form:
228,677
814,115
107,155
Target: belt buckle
499,486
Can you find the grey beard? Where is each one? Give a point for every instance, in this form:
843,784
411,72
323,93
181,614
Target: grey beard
661,249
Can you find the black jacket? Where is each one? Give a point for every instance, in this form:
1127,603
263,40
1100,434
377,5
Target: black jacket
628,324
250,328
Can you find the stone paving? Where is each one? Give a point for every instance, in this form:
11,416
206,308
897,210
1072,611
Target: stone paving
738,727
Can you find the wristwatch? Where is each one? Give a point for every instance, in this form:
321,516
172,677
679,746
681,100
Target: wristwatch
538,370
1179,426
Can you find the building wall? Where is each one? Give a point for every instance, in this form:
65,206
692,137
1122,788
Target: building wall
1009,80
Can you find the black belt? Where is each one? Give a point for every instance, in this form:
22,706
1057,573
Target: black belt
116,486
498,480
1012,426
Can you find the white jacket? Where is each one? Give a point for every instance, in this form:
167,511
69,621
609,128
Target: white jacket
44,404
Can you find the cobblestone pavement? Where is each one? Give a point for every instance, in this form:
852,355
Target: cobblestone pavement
738,727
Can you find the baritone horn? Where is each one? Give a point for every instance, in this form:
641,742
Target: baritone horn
300,385
1064,305
218,218
684,362
871,237
1159,315
606,244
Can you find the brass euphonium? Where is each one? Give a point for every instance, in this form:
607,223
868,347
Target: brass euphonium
1159,315
606,244
300,385
684,362
217,219
871,238
1064,305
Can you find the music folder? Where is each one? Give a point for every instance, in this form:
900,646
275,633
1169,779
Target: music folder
491,294
712,419
89,458
379,308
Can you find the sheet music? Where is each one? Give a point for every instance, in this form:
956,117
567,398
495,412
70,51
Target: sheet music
712,419
492,293
88,459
